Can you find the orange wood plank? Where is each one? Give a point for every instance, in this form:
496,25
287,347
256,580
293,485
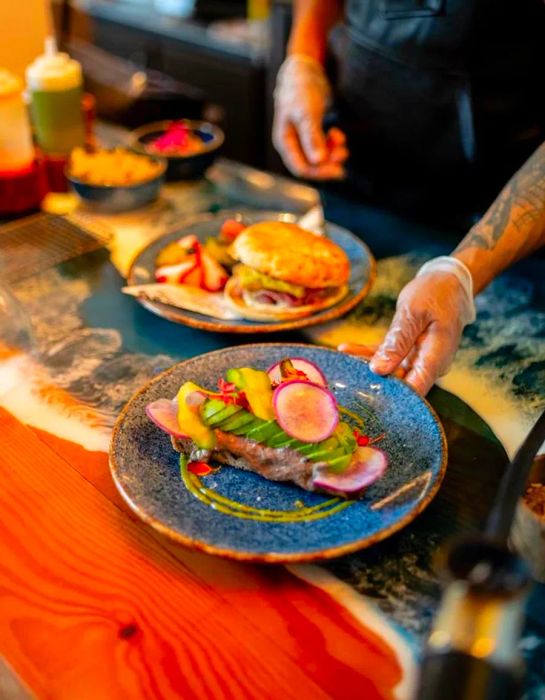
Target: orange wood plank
94,608
327,644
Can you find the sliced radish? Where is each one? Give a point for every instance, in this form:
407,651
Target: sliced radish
173,273
312,371
230,229
305,411
164,413
214,276
368,464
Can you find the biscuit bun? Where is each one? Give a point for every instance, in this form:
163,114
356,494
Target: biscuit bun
288,252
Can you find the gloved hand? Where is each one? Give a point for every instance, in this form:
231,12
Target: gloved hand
425,332
301,97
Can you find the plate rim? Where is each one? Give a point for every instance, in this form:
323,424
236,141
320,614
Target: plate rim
276,557
341,308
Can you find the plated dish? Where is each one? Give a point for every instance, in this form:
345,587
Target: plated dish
349,495
274,276
283,423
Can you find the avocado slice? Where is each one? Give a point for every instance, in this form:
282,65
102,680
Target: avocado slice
284,440
228,411
263,432
235,422
190,420
257,387
246,426
339,464
210,408
327,455
310,448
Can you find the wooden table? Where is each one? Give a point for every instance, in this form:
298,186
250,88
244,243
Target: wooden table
95,605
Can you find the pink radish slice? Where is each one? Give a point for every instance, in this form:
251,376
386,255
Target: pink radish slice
314,373
305,411
164,413
368,464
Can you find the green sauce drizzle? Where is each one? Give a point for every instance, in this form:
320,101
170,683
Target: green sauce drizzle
227,506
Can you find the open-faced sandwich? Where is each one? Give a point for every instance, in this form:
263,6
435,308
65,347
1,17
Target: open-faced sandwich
283,424
285,272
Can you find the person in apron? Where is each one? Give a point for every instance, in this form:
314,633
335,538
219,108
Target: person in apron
436,102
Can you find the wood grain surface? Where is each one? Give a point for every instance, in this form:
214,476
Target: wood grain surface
95,605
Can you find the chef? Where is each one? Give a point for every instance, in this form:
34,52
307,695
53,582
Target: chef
437,103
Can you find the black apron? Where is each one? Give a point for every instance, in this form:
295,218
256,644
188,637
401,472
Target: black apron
441,100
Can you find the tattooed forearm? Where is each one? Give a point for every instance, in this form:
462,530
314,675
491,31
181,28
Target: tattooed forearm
520,207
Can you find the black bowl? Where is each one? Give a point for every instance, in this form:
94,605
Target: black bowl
118,198
180,167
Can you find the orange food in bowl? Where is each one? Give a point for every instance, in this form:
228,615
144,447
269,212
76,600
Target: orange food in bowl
112,167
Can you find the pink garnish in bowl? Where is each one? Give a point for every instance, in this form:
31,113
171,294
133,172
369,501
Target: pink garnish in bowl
176,136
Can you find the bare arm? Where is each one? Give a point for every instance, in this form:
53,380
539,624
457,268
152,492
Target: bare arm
512,228
433,308
312,22
302,96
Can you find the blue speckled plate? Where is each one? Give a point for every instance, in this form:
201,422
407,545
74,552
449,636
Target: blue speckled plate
146,468
362,274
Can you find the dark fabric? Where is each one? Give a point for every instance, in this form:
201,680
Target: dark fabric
442,100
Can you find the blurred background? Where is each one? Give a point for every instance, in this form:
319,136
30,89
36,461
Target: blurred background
157,59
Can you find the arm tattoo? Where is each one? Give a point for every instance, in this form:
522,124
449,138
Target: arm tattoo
519,204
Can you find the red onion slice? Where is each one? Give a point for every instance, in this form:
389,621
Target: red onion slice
368,464
164,413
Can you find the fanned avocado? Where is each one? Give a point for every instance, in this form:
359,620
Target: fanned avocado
284,440
309,448
228,411
327,454
236,422
210,408
336,450
245,427
263,431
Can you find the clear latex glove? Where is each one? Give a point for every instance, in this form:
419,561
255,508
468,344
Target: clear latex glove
431,313
301,97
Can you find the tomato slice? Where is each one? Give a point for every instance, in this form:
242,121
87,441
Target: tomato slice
230,229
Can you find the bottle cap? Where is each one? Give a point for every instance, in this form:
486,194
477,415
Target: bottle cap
10,84
54,71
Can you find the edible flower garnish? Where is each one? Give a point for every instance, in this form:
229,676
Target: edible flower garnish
361,439
200,468
229,394
289,371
